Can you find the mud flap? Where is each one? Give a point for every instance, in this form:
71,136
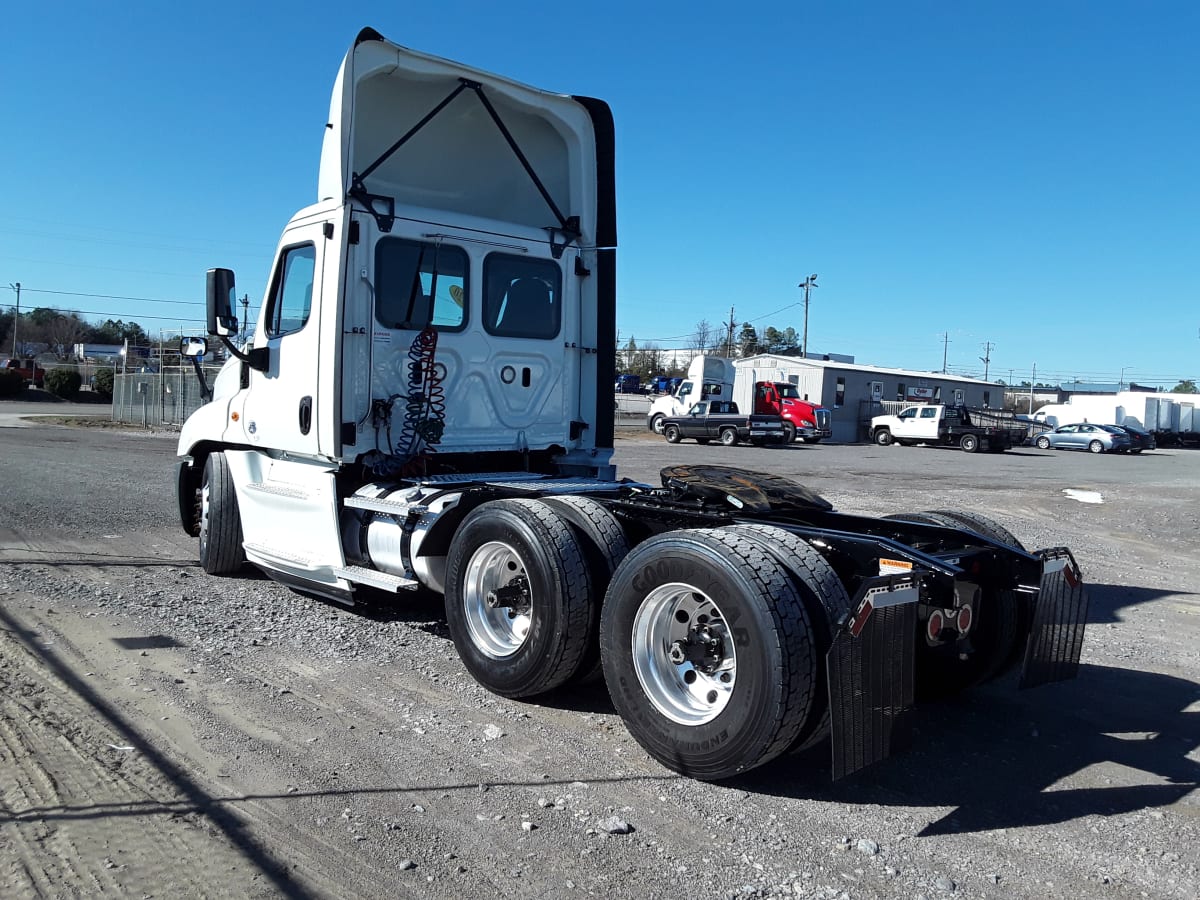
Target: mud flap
1059,617
870,668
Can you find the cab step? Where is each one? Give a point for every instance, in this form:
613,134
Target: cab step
376,579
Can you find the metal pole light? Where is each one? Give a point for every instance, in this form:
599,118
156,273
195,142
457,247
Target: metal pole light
17,315
808,284
1121,379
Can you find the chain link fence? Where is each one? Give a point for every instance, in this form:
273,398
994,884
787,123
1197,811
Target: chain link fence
167,397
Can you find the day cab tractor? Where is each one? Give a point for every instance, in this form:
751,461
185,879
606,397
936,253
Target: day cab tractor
424,406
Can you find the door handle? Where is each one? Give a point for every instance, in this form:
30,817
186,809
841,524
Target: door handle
305,414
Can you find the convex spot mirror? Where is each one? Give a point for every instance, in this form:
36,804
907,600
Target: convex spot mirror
193,347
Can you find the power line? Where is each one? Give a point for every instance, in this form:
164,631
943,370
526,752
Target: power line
112,315
111,297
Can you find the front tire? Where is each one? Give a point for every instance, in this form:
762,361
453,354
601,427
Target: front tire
519,598
221,550
1043,443
656,423
789,432
671,433
707,652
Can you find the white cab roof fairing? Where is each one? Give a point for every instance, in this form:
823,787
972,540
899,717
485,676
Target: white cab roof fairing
459,161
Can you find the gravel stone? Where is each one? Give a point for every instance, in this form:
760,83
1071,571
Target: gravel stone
616,825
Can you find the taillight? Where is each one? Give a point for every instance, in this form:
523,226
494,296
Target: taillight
934,627
963,620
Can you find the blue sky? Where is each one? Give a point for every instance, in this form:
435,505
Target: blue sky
1022,174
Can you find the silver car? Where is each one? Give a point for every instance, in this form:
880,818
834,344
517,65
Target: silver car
1084,436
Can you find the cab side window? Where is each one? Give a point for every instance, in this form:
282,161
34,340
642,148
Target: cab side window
291,299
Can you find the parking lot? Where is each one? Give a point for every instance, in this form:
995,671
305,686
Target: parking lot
167,732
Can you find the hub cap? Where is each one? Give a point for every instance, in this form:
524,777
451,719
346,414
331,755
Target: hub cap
683,654
497,600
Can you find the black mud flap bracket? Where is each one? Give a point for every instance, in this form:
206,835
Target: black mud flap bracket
1059,618
870,667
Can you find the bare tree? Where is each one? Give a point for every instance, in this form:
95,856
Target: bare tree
62,334
703,339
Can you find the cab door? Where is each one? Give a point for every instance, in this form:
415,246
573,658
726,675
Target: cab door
907,425
283,406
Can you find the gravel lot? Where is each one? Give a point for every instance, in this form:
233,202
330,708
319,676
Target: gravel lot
170,734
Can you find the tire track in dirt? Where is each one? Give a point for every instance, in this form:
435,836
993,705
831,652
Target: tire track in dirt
87,813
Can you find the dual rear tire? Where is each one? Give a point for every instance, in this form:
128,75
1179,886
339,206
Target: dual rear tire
711,641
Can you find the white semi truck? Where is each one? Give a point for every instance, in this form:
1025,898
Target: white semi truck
425,406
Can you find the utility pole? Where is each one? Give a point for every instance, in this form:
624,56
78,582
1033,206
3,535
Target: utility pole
945,349
987,357
808,284
17,315
1032,382
245,316
729,338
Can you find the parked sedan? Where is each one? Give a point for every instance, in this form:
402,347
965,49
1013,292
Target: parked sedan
1139,440
1084,436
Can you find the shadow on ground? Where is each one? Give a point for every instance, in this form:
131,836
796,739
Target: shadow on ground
1005,759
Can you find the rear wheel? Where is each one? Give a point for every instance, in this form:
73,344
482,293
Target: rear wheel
604,545
989,528
519,599
221,550
671,433
729,436
789,432
969,443
1096,447
826,602
707,652
883,437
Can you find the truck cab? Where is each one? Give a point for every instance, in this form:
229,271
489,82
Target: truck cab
809,422
446,304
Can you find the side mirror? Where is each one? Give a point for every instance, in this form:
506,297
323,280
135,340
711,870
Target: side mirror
193,347
220,296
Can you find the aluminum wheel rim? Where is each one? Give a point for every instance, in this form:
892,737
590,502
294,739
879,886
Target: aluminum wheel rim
498,631
205,511
682,692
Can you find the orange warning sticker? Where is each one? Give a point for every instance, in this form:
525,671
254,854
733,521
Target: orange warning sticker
894,567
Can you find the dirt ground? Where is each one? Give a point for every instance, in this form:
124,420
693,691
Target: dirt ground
165,733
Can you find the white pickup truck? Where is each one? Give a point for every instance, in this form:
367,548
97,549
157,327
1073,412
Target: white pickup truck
970,429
